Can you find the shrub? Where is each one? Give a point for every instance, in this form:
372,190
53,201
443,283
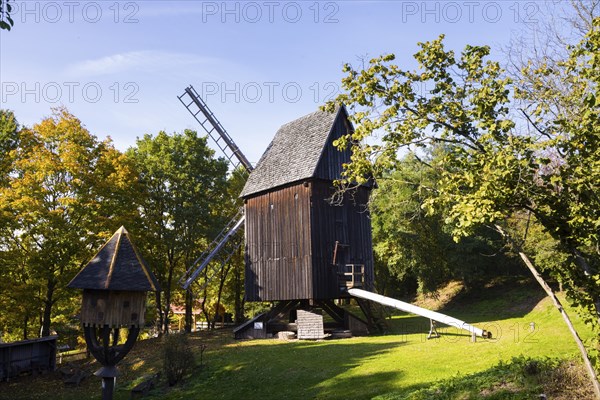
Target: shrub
178,360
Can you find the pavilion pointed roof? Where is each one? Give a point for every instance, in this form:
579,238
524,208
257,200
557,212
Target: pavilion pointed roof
116,266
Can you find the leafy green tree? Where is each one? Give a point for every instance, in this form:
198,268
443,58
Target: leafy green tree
6,21
181,188
409,243
65,193
417,246
494,168
230,283
222,283
490,170
9,140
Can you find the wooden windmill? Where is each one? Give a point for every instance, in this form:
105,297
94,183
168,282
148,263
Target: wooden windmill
302,250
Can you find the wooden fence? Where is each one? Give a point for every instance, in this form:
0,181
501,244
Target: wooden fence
71,355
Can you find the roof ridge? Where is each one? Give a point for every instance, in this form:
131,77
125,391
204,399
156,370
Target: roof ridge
337,114
141,261
294,152
114,257
303,117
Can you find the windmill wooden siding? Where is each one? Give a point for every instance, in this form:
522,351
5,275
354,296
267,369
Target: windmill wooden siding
349,225
291,226
278,245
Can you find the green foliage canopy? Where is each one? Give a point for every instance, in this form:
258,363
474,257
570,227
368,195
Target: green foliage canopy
496,164
182,188
415,245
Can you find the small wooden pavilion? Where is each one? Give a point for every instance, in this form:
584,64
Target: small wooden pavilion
115,283
302,248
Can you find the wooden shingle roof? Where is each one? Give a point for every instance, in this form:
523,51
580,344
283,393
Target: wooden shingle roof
293,154
116,266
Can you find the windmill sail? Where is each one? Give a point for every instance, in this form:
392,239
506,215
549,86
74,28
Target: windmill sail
211,125
213,249
209,122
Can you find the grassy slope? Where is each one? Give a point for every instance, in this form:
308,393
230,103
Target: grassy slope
389,366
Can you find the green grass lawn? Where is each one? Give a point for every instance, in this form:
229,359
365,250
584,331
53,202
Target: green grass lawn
389,366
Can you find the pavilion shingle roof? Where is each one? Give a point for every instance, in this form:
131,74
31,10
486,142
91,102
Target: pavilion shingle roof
116,266
293,154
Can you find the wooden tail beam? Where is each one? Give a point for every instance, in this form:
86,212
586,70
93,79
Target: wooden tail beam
411,308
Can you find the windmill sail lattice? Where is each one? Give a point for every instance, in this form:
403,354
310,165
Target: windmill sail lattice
213,249
207,120
211,125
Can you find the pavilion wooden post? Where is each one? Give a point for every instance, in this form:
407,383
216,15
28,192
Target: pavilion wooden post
115,284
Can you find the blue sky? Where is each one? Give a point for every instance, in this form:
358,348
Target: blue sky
120,65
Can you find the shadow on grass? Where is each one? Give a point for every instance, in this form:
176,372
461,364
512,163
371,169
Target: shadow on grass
304,370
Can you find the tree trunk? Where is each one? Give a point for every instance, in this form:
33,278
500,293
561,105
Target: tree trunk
167,305
189,317
538,277
25,326
204,296
222,278
159,312
581,261
48,302
205,311
166,320
239,296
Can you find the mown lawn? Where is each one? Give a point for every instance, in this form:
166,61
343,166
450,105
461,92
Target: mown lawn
389,366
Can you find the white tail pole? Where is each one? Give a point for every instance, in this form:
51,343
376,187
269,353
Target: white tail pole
411,308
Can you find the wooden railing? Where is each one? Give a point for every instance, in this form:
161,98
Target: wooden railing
352,275
71,355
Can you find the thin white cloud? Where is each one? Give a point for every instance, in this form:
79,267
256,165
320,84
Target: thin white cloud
139,62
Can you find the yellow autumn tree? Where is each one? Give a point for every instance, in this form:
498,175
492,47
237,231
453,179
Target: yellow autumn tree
66,192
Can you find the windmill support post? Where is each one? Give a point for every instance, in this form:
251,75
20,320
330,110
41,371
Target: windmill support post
433,333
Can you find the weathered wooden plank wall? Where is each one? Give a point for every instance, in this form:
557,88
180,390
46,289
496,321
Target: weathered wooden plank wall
331,163
278,264
350,225
113,308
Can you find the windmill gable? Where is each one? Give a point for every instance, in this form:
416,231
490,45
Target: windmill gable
301,149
